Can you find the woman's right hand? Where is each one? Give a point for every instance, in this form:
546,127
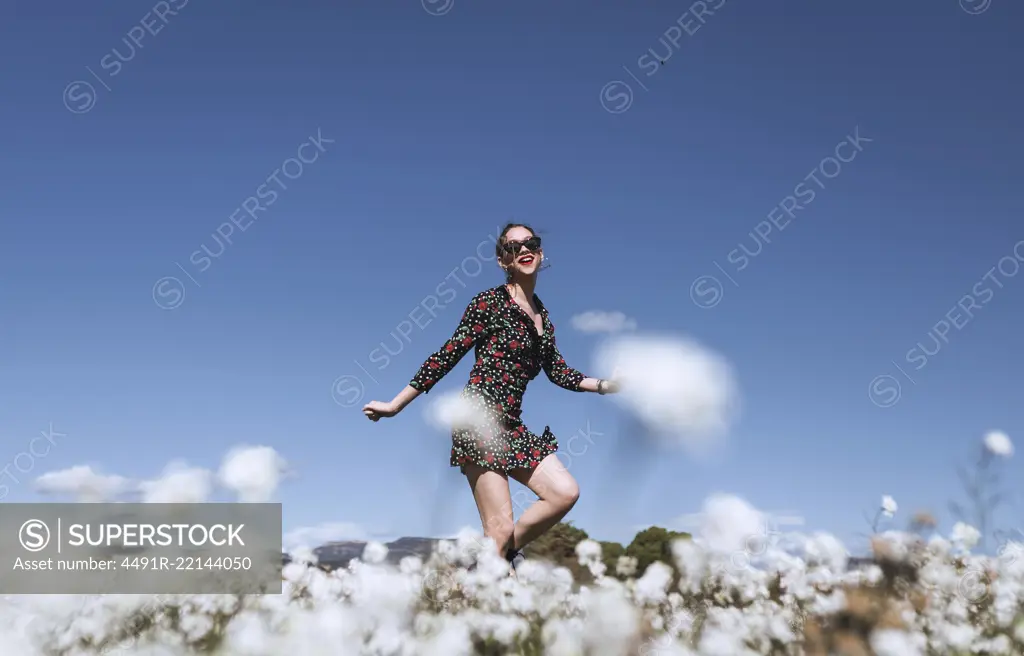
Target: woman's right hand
374,410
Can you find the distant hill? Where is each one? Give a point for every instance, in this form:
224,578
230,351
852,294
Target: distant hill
336,555
557,546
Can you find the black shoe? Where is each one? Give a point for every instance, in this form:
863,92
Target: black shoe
515,557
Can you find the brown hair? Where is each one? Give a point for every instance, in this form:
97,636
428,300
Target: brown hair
499,252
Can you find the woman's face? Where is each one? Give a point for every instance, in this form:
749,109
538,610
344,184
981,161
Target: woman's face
523,254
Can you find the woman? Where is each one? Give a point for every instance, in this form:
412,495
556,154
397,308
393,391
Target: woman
514,340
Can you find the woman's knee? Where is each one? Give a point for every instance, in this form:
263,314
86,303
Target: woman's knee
566,494
553,483
562,492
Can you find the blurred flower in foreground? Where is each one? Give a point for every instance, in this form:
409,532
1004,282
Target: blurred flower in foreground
998,443
965,535
916,599
728,522
922,521
678,389
453,410
889,506
626,566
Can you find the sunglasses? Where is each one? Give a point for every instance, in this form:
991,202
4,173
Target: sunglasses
516,247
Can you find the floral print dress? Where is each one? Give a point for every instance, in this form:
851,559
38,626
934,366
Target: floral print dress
509,354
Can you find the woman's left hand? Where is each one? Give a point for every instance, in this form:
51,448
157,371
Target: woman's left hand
614,384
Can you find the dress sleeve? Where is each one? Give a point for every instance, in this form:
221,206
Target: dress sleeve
471,329
558,371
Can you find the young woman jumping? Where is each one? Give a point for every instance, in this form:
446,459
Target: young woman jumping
514,339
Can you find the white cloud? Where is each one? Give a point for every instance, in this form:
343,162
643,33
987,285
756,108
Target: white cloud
178,483
684,393
597,321
253,473
83,483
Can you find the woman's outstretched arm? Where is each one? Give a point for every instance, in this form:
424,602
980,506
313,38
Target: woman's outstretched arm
566,377
560,373
471,329
374,410
591,385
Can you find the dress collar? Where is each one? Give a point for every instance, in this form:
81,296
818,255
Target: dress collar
536,299
545,321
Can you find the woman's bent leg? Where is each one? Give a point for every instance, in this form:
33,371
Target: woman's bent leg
494,502
557,491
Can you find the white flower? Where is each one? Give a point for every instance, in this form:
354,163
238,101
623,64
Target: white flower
965,535
892,642
889,506
728,523
374,553
626,566
587,551
998,443
454,410
682,393
442,604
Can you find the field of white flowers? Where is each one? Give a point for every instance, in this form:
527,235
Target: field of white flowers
793,595
735,589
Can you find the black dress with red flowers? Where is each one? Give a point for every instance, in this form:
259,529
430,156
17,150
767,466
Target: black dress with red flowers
509,354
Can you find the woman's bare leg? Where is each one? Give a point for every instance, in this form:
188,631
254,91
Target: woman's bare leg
558,493
494,502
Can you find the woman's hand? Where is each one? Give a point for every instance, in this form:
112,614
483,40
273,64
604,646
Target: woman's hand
374,410
614,384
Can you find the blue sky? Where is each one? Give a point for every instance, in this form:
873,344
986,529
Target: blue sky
436,129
